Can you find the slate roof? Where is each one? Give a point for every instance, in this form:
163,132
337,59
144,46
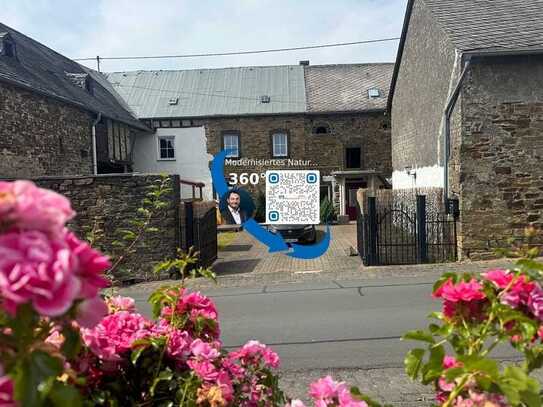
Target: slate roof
212,92
490,24
344,88
43,70
482,26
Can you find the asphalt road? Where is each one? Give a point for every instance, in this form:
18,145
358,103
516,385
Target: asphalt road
343,324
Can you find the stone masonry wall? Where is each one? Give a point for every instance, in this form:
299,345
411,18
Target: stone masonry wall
112,201
324,152
421,92
501,170
41,136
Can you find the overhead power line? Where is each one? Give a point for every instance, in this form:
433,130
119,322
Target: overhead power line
220,54
224,96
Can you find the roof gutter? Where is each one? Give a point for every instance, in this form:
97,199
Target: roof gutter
94,155
447,113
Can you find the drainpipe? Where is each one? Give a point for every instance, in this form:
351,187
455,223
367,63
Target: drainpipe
94,158
451,103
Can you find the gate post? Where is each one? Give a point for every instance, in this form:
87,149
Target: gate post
189,224
372,235
422,244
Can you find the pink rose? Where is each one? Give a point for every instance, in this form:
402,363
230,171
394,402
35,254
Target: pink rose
115,335
324,388
6,392
204,369
203,350
462,291
90,266
179,345
501,278
119,303
91,312
24,206
36,269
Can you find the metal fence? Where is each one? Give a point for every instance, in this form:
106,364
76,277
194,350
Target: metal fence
395,234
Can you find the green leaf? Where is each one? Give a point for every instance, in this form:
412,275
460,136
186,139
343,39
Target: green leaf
488,366
413,362
64,395
165,375
453,373
419,335
72,342
136,353
434,368
34,376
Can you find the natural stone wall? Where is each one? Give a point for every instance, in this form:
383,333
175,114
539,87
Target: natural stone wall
41,136
421,92
324,152
501,169
110,202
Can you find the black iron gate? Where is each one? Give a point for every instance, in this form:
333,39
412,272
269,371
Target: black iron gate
400,235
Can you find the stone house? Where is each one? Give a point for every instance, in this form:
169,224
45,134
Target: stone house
58,117
331,118
466,103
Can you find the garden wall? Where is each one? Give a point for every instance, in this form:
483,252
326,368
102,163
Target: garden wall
109,202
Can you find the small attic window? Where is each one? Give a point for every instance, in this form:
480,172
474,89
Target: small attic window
374,93
7,46
173,101
265,99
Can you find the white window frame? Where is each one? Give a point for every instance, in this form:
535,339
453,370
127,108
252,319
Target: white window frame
279,145
224,136
169,138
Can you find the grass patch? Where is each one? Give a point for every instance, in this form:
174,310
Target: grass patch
224,239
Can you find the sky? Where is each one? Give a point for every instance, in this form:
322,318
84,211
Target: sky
134,27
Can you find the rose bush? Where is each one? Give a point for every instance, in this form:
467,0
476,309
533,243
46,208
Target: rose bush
62,344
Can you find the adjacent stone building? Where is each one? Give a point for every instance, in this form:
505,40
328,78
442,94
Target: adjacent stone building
484,61
50,107
331,118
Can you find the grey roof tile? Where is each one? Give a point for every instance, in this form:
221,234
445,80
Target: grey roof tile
40,68
344,88
490,24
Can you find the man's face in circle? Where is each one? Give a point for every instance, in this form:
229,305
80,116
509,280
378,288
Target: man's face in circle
233,200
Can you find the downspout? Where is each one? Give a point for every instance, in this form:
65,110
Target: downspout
451,103
94,156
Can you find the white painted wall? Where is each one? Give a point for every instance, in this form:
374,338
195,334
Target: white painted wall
424,177
191,158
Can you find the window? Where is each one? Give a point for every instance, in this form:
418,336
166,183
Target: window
352,157
279,145
166,147
321,128
231,144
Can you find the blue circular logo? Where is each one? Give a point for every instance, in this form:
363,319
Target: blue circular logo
273,216
273,178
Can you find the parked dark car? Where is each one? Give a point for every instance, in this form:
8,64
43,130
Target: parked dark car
295,233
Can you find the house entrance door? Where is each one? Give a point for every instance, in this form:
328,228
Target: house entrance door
351,206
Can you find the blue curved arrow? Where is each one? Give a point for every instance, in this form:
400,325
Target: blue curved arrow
314,251
217,173
275,242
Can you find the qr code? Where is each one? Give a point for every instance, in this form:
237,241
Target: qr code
292,197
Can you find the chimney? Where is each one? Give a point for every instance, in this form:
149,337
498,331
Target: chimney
304,63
